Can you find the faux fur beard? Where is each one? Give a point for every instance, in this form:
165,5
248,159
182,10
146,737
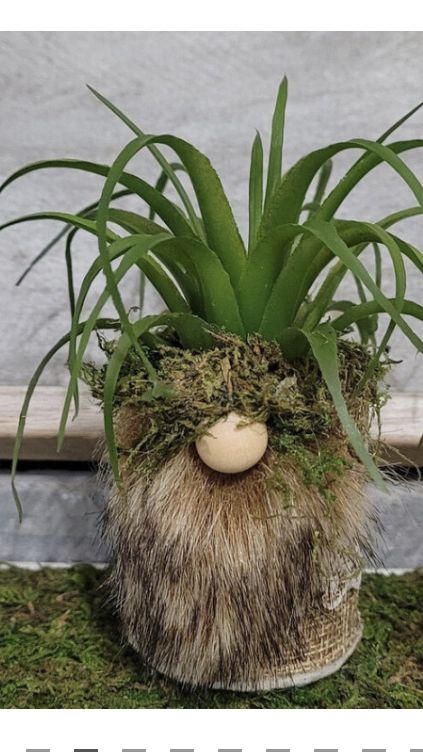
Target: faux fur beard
216,577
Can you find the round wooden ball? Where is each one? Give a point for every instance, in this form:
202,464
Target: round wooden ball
233,444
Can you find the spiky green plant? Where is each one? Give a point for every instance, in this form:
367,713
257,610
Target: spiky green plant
209,279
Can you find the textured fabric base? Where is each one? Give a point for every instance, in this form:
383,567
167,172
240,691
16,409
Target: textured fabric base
332,637
300,679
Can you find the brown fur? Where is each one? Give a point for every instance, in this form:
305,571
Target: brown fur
215,576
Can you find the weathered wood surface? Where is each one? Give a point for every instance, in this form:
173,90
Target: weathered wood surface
402,426
40,442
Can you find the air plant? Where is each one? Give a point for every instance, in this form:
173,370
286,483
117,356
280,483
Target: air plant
271,300
209,278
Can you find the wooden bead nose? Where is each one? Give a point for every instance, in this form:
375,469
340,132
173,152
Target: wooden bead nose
233,444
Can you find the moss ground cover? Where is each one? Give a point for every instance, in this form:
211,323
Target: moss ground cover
59,648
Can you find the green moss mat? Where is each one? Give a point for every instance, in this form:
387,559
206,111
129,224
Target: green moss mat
59,648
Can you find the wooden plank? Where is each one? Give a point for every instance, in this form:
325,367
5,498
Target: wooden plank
402,426
42,424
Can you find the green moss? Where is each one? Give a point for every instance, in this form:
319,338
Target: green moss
251,378
59,649
319,465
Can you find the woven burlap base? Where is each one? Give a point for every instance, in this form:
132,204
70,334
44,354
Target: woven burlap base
330,640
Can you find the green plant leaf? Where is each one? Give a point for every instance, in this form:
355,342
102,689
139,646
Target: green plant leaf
164,285
370,369
223,314
399,122
399,216
222,233
115,250
388,155
218,299
284,300
69,269
362,311
137,224
263,267
113,177
274,170
378,265
301,270
365,326
371,159
165,209
289,197
224,237
72,220
85,212
132,222
221,230
326,232
358,234
255,206
100,324
186,281
71,292
163,180
322,182
353,233
324,347
132,256
166,166
153,271
293,343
